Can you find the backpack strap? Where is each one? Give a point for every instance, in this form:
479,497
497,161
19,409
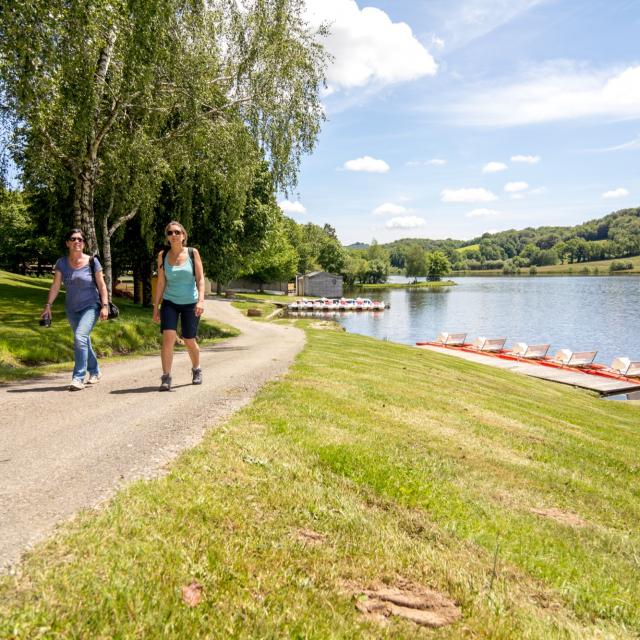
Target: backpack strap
193,264
190,250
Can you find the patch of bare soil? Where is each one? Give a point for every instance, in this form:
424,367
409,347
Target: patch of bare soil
563,517
308,536
414,602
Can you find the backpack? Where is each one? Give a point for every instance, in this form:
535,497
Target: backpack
190,250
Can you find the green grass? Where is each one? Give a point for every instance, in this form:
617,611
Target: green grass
602,267
28,350
409,464
599,267
265,307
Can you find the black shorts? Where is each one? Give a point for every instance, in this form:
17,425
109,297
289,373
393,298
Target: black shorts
169,314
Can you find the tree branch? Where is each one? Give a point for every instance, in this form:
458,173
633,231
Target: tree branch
122,219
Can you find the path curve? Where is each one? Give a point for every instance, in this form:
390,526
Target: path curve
62,451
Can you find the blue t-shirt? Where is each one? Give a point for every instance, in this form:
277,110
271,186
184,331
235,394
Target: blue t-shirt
79,285
180,285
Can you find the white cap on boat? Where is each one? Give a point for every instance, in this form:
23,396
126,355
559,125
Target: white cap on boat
621,364
564,355
479,342
520,348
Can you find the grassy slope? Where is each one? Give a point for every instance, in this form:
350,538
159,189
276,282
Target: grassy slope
602,267
430,475
27,349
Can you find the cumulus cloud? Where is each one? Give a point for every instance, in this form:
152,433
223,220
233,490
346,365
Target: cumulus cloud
514,187
389,208
555,91
367,47
527,159
437,161
482,213
291,207
494,167
467,195
405,222
368,164
616,193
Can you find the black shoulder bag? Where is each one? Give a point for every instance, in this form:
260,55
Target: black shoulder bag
114,312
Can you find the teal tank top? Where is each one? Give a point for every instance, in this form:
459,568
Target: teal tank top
181,285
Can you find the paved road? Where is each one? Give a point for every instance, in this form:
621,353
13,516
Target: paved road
62,451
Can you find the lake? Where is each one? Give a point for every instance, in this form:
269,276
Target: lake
571,312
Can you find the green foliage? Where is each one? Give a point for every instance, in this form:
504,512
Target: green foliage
415,262
616,235
437,265
118,102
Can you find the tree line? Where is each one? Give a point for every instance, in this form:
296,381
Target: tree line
614,236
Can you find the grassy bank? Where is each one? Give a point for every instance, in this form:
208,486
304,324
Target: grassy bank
595,268
515,497
28,350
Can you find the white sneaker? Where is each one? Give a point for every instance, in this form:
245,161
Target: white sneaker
76,385
94,378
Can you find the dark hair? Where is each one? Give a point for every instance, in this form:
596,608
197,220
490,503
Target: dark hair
73,231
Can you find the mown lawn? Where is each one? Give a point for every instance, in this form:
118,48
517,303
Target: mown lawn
28,350
370,463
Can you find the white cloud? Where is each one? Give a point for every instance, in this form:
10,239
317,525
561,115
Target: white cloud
420,163
405,222
388,208
556,91
625,146
494,167
291,207
367,47
467,195
527,159
514,187
368,164
482,213
466,21
616,193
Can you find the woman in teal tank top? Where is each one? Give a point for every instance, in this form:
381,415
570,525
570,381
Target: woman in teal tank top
180,288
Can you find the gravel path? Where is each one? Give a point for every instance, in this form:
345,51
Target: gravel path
62,451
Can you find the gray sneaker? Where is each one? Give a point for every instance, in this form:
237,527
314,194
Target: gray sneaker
197,376
165,382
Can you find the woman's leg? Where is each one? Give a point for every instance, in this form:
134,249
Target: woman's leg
166,353
194,352
189,325
82,324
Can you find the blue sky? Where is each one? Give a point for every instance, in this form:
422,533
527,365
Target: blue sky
449,118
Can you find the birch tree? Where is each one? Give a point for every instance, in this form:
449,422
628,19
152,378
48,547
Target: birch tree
110,97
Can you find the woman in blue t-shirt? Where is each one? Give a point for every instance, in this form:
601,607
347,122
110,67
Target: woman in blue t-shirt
180,287
83,305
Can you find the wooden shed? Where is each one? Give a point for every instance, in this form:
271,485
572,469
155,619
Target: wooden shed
319,284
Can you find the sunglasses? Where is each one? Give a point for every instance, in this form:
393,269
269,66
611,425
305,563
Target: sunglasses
76,239
173,232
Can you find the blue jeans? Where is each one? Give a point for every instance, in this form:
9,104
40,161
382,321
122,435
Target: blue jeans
82,323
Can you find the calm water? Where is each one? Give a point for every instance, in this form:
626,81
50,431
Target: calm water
577,313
